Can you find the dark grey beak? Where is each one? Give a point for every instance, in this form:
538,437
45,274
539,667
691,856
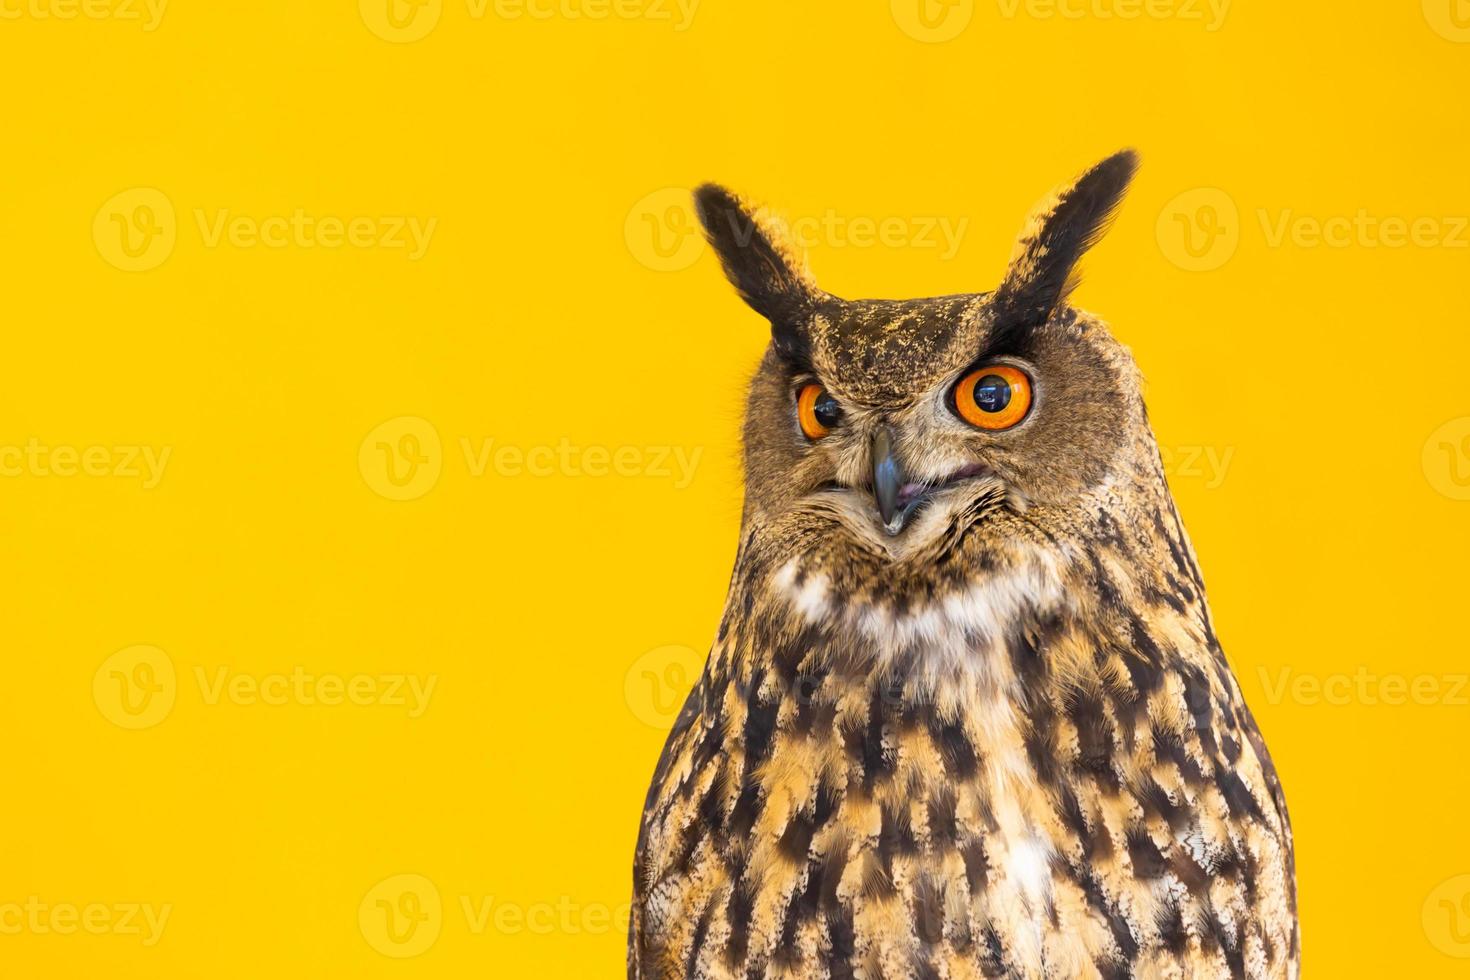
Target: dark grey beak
888,481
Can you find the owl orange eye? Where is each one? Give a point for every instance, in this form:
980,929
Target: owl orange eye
817,411
994,398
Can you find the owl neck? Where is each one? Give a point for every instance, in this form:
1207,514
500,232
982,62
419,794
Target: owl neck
1021,606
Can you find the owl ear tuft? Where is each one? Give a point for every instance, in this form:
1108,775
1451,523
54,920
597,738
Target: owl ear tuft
1043,270
758,259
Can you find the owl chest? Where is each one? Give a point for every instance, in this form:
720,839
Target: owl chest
913,816
871,826
933,791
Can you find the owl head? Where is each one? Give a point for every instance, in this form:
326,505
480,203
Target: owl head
891,421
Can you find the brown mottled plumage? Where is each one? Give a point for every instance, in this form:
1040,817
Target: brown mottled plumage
999,741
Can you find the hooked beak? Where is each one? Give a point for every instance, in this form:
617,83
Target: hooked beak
888,483
897,495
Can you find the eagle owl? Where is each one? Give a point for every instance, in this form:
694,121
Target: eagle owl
966,714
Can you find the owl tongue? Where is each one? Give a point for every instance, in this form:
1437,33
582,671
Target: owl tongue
910,492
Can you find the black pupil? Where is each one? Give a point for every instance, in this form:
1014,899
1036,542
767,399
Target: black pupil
993,393
827,411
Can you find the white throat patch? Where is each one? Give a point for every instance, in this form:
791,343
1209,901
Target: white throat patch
953,634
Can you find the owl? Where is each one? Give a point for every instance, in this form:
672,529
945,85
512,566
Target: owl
966,714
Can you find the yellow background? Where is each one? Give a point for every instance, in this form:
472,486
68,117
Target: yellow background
557,613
